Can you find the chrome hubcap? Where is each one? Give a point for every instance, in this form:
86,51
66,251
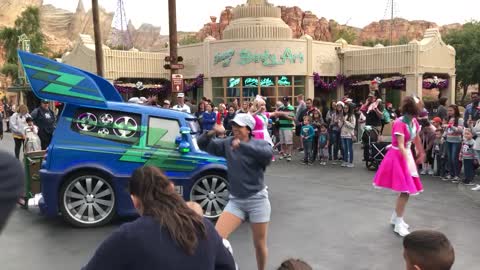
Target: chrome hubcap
89,199
211,192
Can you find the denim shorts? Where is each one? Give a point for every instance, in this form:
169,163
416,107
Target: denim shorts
255,209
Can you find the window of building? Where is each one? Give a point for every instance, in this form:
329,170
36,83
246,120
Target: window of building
246,88
162,133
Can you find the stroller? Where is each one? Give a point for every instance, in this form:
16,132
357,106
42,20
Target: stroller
374,150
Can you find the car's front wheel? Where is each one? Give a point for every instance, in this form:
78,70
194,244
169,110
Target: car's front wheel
211,192
87,200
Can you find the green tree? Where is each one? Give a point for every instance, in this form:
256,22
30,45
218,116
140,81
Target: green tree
27,23
190,39
467,62
346,33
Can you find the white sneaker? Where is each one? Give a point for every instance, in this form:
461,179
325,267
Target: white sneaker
477,188
350,165
423,172
393,220
344,164
430,172
401,229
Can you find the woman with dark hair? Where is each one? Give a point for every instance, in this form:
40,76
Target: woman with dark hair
347,134
453,132
398,170
247,160
168,234
199,113
442,108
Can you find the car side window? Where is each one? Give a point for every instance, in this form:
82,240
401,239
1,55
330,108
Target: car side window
123,127
162,132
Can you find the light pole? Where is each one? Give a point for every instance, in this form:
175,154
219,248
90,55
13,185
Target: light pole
172,28
98,38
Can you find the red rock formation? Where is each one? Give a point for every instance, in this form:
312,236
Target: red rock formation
321,29
293,17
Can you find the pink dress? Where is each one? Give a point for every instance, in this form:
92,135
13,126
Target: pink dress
395,172
260,132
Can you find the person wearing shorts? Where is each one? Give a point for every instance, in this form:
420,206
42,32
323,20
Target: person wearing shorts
247,160
287,125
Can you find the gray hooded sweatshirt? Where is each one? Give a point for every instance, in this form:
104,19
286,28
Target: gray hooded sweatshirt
246,165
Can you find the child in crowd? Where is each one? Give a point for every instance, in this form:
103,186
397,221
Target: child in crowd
294,264
439,153
428,250
437,122
32,141
307,134
427,135
323,143
468,156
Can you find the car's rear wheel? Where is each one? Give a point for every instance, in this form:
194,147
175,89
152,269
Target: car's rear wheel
87,200
211,192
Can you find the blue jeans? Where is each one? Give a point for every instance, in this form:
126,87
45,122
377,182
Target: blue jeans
453,155
347,145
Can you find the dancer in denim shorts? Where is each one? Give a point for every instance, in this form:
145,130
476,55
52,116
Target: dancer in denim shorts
247,160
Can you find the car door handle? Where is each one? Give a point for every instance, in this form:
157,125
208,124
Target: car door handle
147,155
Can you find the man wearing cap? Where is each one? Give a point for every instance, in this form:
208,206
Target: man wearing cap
472,110
247,160
44,118
287,125
166,104
181,106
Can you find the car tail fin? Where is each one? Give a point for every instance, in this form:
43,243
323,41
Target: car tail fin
60,82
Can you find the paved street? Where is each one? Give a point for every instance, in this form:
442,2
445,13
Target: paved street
329,216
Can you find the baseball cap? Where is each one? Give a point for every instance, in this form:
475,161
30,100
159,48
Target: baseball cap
45,101
180,95
166,101
244,120
437,120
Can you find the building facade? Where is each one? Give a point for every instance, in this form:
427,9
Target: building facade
258,55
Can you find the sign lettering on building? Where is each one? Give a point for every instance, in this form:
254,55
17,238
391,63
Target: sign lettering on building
266,58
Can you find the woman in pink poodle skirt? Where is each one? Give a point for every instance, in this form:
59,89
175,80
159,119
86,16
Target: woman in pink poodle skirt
398,170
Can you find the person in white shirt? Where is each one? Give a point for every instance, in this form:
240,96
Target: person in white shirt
181,106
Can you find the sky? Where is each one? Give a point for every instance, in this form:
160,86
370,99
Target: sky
193,14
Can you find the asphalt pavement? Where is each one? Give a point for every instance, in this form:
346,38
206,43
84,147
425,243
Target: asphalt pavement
329,216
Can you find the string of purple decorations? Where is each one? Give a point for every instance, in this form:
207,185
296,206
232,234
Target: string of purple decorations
197,83
432,84
321,84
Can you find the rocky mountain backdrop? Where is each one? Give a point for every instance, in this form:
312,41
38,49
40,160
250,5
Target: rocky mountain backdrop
305,22
62,27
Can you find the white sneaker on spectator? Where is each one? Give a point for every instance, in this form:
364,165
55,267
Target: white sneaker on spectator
423,172
344,164
350,165
447,178
431,172
477,188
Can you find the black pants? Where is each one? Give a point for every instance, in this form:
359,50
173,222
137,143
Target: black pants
315,148
18,146
441,166
45,138
469,170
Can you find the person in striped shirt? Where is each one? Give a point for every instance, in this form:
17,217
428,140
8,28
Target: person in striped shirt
287,124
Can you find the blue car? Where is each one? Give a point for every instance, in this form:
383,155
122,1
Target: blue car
100,140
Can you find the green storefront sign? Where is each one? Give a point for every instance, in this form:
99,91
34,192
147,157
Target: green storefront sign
266,58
